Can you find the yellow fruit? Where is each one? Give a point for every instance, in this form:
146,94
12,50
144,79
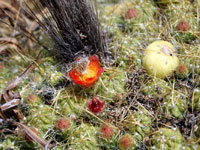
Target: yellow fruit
160,59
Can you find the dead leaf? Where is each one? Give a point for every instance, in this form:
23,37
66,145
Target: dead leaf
8,95
10,104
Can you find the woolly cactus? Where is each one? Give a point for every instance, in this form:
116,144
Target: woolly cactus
74,114
56,77
106,131
41,117
175,105
142,23
156,87
167,139
139,122
33,99
64,128
106,138
196,99
182,21
135,19
9,142
83,138
63,124
192,62
127,55
112,84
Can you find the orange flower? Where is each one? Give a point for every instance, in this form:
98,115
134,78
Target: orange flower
86,71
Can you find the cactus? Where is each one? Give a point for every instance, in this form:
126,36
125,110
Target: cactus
156,87
56,77
83,138
167,139
175,105
196,99
127,55
143,15
112,84
9,142
179,14
139,122
41,117
106,137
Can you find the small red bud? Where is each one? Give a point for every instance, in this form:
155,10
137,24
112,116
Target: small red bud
182,71
1,67
95,105
125,142
132,14
183,26
182,68
63,124
32,98
106,131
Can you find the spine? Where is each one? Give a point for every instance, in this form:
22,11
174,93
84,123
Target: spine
73,26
